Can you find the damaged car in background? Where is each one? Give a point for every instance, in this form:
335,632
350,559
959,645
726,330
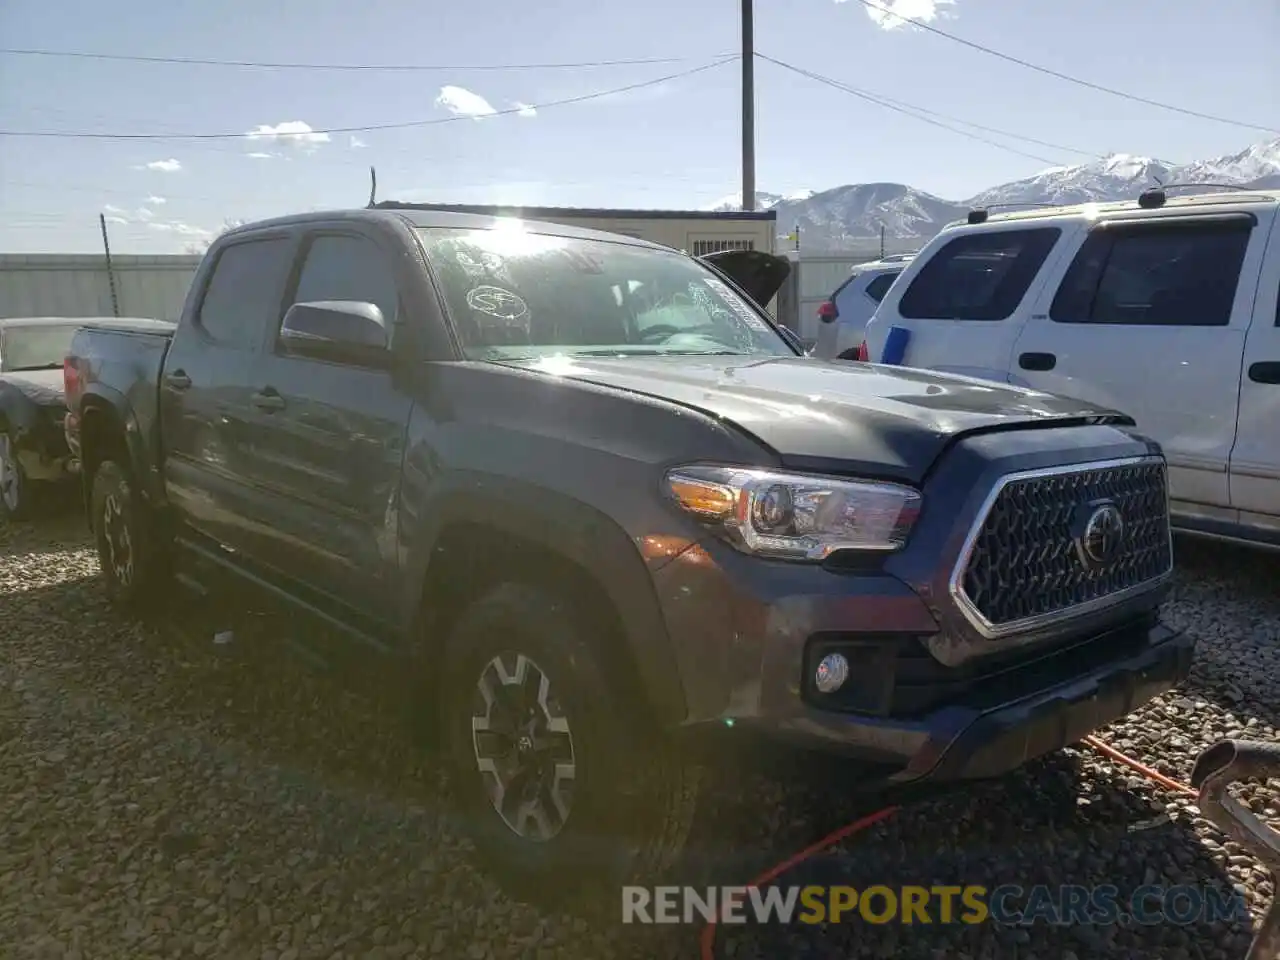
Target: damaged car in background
33,448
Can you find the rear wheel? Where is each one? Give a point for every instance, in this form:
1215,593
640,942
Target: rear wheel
562,795
123,534
15,489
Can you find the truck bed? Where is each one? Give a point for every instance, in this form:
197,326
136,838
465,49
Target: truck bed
108,365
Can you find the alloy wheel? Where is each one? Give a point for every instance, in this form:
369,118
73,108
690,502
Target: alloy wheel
10,475
119,543
523,746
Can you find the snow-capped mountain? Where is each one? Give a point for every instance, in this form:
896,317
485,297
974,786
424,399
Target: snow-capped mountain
764,201
853,216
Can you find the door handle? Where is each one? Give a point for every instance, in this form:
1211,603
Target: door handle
1037,361
178,380
1265,372
268,400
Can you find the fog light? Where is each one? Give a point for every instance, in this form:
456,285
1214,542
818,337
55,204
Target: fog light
831,674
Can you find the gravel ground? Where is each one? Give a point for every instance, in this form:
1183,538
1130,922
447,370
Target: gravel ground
168,796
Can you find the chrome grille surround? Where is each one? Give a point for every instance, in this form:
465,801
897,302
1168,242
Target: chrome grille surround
1022,567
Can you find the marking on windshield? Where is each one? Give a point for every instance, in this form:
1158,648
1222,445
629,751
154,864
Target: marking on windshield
496,302
735,303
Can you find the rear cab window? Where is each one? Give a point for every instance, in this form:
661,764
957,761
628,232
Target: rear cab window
244,291
1175,271
978,276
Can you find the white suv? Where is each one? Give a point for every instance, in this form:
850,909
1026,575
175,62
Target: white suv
1165,309
845,313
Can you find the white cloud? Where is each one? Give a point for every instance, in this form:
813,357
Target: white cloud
260,156
291,133
899,13
463,103
525,109
155,201
112,208
163,166
116,220
179,228
357,144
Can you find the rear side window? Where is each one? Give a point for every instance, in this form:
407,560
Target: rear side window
348,268
243,295
878,287
979,276
1164,274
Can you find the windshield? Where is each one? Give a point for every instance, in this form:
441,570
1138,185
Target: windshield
34,348
512,294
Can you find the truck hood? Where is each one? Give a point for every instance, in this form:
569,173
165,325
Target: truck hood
759,274
890,422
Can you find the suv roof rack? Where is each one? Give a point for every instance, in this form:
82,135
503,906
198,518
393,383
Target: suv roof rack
895,257
1153,198
980,214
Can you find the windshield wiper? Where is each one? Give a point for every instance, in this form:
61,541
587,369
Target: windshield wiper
43,366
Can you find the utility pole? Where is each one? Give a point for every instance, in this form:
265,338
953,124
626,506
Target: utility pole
111,273
748,107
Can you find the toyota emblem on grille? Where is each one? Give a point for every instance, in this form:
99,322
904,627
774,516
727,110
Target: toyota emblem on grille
1101,535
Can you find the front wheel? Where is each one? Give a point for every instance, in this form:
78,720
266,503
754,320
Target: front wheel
15,490
123,536
562,795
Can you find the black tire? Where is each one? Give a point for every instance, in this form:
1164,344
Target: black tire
17,496
128,554
632,797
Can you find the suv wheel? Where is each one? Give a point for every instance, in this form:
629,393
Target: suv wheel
123,538
15,492
563,799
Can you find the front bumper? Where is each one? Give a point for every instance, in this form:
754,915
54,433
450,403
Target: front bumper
929,696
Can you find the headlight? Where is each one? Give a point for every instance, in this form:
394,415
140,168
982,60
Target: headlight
793,516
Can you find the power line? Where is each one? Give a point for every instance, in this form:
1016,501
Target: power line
386,67
918,113
370,128
1079,81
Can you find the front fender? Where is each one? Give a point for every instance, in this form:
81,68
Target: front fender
579,533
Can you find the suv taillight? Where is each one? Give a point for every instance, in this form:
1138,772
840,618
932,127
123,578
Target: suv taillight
863,353
827,312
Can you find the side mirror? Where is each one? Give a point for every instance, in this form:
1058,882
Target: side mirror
344,331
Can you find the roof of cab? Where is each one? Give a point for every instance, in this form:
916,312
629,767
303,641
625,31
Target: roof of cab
421,216
1172,206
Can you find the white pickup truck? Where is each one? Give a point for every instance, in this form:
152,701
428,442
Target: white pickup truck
1165,308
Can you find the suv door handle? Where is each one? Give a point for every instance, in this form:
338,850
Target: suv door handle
178,380
1037,361
1265,372
268,399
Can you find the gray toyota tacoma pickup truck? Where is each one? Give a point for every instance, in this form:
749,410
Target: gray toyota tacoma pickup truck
592,501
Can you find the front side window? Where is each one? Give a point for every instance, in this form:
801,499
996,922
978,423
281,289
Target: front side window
34,347
512,294
348,267
1172,274
978,276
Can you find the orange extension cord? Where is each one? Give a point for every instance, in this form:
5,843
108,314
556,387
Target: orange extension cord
708,939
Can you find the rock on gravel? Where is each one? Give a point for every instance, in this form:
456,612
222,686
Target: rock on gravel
167,796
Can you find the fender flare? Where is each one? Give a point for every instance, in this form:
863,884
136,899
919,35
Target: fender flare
582,535
100,400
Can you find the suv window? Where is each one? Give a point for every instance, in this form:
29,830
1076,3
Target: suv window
1162,274
979,276
348,267
244,292
878,287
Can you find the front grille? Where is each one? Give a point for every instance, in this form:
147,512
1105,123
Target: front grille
1026,561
